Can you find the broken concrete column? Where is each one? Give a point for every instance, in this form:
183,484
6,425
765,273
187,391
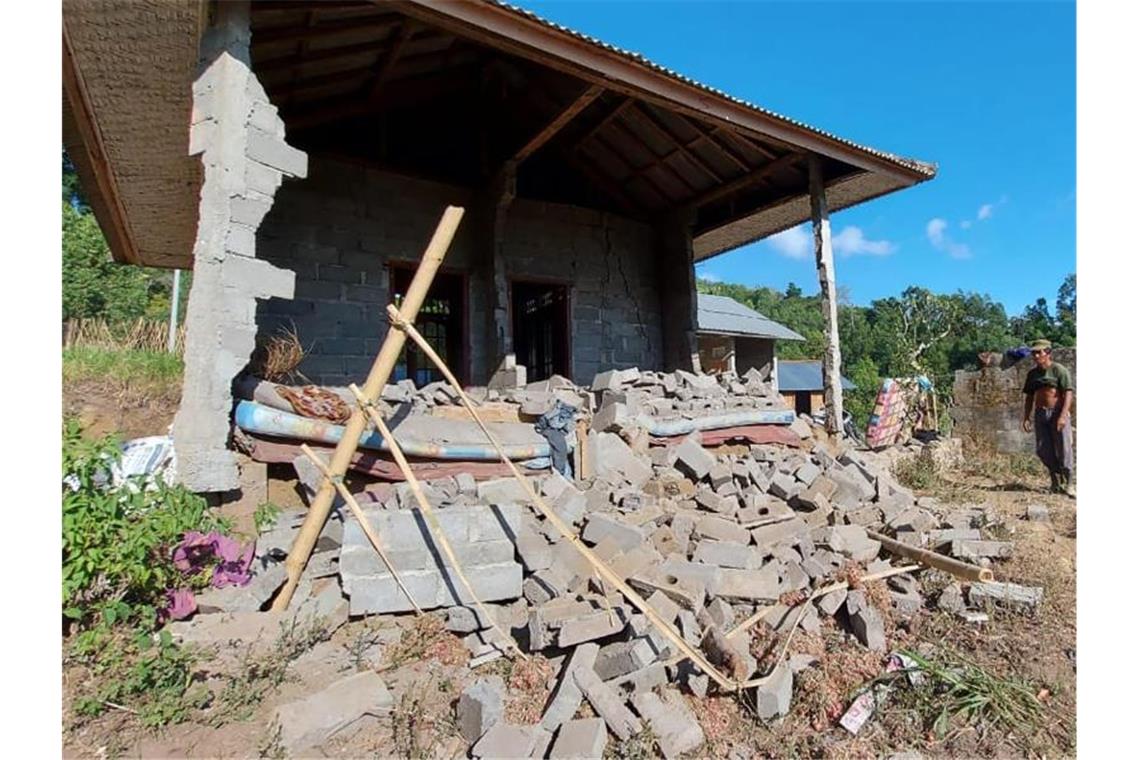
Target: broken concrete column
241,140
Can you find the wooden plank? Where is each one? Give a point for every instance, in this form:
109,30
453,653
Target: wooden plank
752,178
633,171
659,161
491,411
292,60
580,103
583,163
825,264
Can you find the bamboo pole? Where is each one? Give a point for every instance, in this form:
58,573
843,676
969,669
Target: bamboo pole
822,591
428,511
933,559
381,370
358,513
602,568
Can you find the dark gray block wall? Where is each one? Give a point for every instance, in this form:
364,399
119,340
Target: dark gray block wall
340,230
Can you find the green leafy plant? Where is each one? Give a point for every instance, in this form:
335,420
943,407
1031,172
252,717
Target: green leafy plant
117,542
265,516
151,677
957,689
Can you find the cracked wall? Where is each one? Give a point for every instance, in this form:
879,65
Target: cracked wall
241,141
341,229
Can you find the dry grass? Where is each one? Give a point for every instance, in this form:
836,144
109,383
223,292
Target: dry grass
426,639
277,356
528,687
139,335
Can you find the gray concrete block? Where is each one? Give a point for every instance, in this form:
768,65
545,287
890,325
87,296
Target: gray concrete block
693,460
580,739
749,585
311,721
784,532
673,724
774,696
972,550
721,529
623,657
866,622
596,625
1037,513
271,150
1012,595
504,740
480,706
433,588
641,680
599,526
567,694
607,704
728,554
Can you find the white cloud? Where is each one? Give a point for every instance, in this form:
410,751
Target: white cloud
936,234
795,243
710,277
965,224
851,242
986,211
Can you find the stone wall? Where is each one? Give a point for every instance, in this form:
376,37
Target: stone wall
988,403
341,229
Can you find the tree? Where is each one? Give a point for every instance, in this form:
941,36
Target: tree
917,323
93,284
793,291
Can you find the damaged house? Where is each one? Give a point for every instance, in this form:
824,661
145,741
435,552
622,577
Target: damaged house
296,157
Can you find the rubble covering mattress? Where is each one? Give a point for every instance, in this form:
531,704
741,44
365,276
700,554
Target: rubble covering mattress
418,435
754,434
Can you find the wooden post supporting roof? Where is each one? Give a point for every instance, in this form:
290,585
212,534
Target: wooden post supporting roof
825,264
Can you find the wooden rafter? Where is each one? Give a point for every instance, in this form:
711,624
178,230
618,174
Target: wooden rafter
328,29
586,165
388,61
653,120
659,161
740,139
291,60
633,171
567,114
719,147
614,112
751,178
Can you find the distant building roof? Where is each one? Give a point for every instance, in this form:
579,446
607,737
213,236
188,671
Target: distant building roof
725,316
804,375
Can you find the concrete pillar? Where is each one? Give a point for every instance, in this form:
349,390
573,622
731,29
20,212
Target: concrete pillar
491,206
678,288
241,141
825,264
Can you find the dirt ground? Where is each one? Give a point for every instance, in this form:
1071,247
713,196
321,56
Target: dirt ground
425,670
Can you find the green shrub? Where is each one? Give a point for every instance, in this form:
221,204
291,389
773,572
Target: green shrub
117,543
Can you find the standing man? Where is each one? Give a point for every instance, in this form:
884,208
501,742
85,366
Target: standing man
1048,398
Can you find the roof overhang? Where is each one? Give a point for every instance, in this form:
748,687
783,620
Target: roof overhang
129,66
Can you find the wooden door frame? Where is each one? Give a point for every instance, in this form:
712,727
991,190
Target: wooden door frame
567,309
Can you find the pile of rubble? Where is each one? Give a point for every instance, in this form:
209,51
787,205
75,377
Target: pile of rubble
709,535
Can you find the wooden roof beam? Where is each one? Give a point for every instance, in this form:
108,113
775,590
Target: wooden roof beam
634,172
329,29
685,150
388,61
556,124
754,177
661,161
615,112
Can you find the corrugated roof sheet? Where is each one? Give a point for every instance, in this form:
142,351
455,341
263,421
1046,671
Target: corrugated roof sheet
804,375
908,163
724,315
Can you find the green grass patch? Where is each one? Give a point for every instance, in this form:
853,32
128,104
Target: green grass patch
152,369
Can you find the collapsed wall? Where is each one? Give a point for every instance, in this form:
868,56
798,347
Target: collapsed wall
988,402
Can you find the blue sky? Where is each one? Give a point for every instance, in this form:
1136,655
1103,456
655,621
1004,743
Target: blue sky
986,90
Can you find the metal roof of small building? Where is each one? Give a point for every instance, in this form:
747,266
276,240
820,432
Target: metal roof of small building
804,375
726,316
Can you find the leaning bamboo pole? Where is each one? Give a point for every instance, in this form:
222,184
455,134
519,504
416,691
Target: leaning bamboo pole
601,567
933,559
428,512
358,513
382,367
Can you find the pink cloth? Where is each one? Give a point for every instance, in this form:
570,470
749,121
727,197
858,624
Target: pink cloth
198,550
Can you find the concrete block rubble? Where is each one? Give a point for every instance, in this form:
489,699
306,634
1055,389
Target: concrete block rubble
709,526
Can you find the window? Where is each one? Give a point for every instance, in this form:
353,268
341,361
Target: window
441,322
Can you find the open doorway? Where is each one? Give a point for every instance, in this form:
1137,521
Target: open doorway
442,323
541,321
